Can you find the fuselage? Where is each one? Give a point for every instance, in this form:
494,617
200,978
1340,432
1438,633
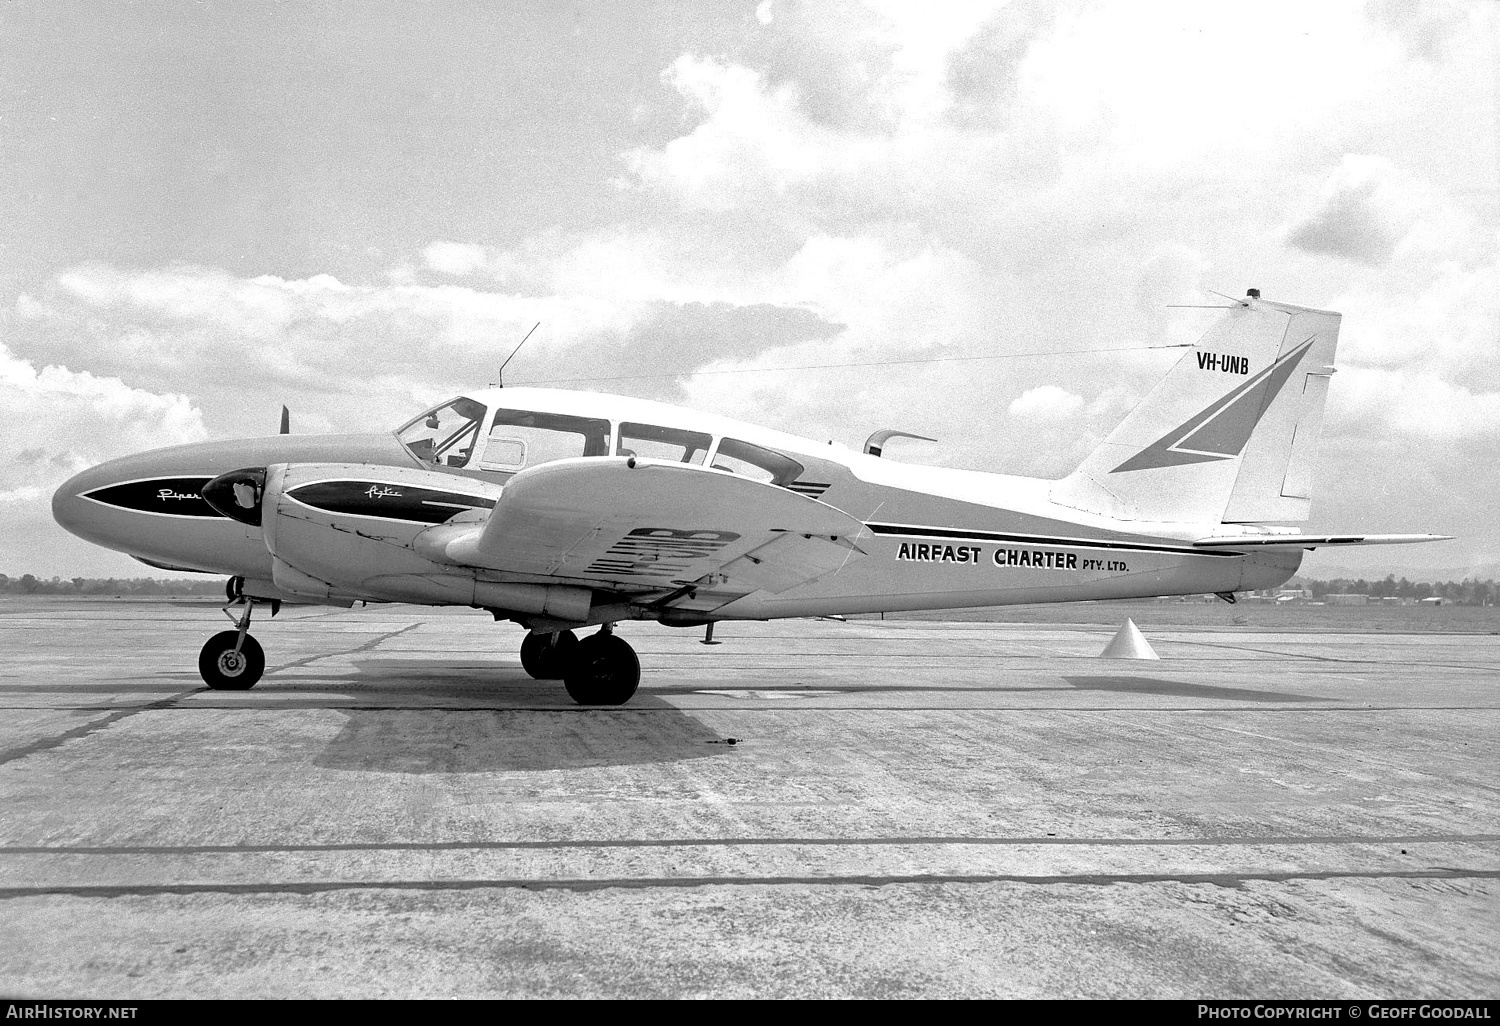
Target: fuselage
932,537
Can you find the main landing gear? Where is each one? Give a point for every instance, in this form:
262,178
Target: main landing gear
546,656
233,660
601,669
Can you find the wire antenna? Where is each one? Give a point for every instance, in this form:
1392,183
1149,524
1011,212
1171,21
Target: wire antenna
1233,299
500,382
868,363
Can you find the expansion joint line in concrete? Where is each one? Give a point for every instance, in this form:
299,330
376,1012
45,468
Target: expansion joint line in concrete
746,842
368,646
93,726
1231,881
14,754
1338,659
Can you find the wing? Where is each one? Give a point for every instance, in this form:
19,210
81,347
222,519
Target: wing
697,537
1313,541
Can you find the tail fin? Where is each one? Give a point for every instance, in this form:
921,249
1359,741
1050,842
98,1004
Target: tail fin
1229,434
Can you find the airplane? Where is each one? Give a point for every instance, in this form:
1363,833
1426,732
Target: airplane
561,510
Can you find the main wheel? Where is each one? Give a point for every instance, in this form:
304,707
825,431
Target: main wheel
546,656
224,669
605,671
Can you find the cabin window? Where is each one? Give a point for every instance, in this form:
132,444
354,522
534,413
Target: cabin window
662,443
748,460
520,439
445,434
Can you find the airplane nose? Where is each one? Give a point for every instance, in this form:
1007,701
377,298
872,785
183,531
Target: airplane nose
105,504
70,509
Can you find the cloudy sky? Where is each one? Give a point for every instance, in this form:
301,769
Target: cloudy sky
211,209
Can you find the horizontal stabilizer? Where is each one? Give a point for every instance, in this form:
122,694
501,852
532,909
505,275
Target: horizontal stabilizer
1313,541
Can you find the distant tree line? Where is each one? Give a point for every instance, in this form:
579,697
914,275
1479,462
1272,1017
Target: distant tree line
1463,593
27,584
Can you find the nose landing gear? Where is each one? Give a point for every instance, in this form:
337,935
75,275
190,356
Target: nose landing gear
233,660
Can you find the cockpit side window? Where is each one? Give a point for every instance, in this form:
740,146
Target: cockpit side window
663,443
445,434
748,460
521,438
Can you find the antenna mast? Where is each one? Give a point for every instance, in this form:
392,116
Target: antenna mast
501,376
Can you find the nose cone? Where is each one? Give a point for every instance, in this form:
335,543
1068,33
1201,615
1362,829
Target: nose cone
129,503
76,514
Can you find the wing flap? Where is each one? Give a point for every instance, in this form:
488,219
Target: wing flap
1312,541
788,560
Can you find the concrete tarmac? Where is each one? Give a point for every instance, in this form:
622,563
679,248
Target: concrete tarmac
810,809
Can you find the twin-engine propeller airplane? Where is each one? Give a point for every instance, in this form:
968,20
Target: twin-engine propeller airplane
561,510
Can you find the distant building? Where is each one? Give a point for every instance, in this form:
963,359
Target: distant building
1435,600
1354,599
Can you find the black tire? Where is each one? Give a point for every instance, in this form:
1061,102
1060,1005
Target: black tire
223,670
604,671
547,656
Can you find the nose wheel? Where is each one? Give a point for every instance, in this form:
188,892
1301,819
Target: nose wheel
229,664
233,660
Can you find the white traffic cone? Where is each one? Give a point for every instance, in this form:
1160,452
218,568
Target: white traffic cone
1128,643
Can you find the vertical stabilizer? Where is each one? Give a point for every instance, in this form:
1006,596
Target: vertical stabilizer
1229,434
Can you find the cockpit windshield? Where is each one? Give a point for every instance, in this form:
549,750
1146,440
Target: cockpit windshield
445,434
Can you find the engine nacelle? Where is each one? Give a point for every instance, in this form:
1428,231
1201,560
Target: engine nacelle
339,531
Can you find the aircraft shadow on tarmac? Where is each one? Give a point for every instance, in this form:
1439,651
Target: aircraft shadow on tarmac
445,717
1180,689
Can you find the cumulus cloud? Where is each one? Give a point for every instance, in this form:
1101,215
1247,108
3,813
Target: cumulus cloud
849,122
1046,402
455,258
1447,326
1361,214
831,55
60,421
335,351
984,74
1424,28
909,107
185,327
1414,403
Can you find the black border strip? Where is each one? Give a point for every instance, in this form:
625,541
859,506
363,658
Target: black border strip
123,495
908,531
